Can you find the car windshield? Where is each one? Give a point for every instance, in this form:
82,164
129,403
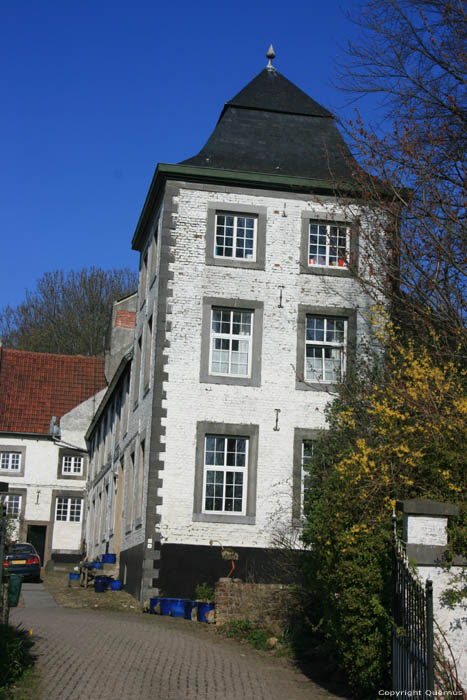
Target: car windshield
22,548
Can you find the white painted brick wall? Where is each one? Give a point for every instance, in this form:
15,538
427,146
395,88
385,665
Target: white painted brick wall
425,529
40,477
189,401
451,619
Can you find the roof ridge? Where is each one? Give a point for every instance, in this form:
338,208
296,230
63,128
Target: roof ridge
52,354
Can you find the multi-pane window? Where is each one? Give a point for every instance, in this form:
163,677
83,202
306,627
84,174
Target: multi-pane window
231,334
325,340
68,509
225,474
13,505
307,454
11,461
328,244
235,236
72,464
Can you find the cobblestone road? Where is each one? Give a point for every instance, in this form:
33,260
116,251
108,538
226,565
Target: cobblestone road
120,656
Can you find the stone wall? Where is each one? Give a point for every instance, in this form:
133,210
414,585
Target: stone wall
264,604
425,535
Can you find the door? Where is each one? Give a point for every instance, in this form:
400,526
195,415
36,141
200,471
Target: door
36,535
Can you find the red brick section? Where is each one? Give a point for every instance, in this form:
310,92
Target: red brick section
125,319
35,386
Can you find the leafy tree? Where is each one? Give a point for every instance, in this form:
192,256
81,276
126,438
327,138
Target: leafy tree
67,312
412,53
396,431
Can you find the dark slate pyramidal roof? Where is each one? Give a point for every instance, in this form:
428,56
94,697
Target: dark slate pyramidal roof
270,91
273,127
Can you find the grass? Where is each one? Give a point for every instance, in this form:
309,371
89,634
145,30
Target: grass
16,660
258,637
24,688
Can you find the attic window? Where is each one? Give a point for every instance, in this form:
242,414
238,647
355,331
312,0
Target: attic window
235,236
72,464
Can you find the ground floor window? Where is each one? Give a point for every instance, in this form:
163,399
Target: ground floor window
13,505
225,465
225,473
68,509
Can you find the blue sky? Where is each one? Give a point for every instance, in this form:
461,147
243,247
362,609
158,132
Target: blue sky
95,93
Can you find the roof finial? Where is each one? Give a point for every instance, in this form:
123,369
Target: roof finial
270,55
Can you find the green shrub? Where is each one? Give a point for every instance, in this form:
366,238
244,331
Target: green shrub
396,431
15,654
245,630
204,592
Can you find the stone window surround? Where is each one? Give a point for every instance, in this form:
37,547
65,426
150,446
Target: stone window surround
63,493
14,472
248,210
13,491
66,452
139,465
300,434
303,311
329,218
250,431
113,486
256,342
154,248
130,468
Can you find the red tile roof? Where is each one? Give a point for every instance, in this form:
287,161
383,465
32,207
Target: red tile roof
34,386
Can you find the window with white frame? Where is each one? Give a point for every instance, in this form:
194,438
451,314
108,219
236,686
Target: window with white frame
13,505
325,343
10,461
72,464
225,474
68,509
328,244
231,336
235,237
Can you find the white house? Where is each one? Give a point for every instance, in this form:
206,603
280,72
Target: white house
246,316
46,404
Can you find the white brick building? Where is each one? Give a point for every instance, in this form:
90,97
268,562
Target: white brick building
44,462
246,315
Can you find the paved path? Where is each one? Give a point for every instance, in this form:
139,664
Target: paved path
123,656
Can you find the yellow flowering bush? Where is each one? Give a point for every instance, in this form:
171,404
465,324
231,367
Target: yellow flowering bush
397,430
